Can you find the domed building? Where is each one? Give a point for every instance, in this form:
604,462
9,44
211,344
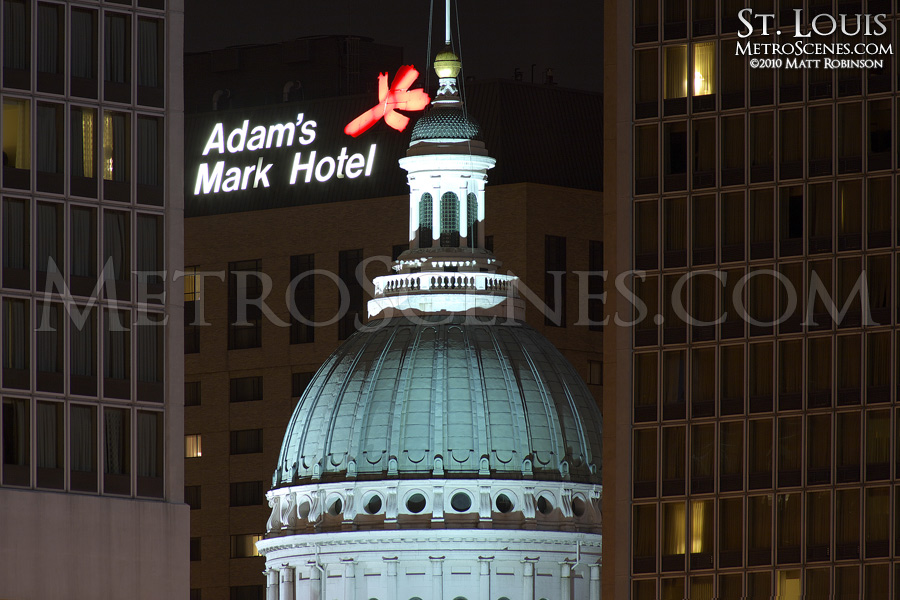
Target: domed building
446,451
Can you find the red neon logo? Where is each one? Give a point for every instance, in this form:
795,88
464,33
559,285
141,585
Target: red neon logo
398,97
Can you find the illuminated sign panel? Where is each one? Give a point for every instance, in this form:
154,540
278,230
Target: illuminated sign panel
215,177
398,97
297,153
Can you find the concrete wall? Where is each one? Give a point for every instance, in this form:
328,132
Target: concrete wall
72,546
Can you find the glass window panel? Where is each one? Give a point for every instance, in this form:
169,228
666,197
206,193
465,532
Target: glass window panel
704,79
16,134
675,69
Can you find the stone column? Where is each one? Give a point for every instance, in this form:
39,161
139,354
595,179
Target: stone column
463,217
391,568
437,577
528,578
349,578
271,584
287,583
316,582
485,578
595,582
565,581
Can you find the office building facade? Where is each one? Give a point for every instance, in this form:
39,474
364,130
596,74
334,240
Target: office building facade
754,451
91,480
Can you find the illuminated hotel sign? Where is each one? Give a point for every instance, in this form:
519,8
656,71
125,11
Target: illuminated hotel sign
258,153
398,97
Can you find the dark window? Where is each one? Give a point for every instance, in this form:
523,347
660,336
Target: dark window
196,594
247,286
246,389
449,220
16,442
426,224
192,496
16,43
117,57
299,382
83,59
191,296
192,393
247,493
195,548
595,285
248,592
489,243
397,250
555,280
348,261
302,330
246,441
150,60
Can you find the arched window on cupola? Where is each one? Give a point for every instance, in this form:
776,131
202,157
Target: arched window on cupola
472,220
426,204
449,220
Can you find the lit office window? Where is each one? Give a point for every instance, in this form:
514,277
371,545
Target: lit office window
16,142
83,143
193,447
704,79
244,546
116,145
789,585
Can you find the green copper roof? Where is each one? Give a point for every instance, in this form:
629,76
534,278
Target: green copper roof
443,396
446,122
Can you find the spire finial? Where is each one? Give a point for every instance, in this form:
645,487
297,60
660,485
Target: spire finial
447,23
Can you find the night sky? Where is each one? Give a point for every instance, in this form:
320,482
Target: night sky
497,36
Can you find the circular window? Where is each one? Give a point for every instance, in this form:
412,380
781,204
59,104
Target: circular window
415,503
578,507
461,502
303,509
373,504
503,503
335,507
544,506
